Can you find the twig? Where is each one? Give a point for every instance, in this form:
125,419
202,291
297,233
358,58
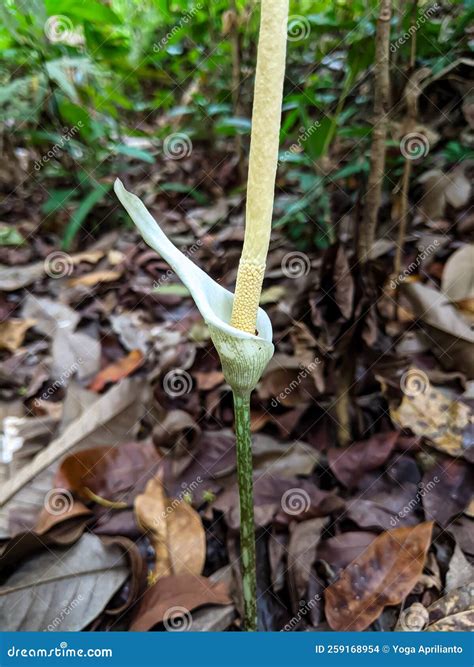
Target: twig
379,133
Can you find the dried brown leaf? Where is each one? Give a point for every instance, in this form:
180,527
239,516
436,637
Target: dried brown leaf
384,574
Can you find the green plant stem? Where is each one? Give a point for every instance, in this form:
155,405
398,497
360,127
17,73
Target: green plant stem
247,524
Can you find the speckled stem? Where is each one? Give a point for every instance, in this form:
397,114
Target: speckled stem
247,524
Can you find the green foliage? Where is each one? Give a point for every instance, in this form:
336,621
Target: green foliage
86,82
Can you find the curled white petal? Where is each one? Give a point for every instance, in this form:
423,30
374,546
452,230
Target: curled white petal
243,355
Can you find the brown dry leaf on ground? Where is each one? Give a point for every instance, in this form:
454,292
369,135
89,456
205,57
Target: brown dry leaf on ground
12,333
439,419
454,612
93,279
172,599
349,464
457,281
449,334
113,473
52,530
174,528
384,574
117,371
82,579
448,489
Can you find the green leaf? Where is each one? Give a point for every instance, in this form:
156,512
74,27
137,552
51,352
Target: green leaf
176,289
137,153
81,213
10,236
93,11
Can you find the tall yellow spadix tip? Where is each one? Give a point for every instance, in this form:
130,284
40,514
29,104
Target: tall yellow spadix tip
263,159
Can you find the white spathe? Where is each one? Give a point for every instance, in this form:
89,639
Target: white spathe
243,355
